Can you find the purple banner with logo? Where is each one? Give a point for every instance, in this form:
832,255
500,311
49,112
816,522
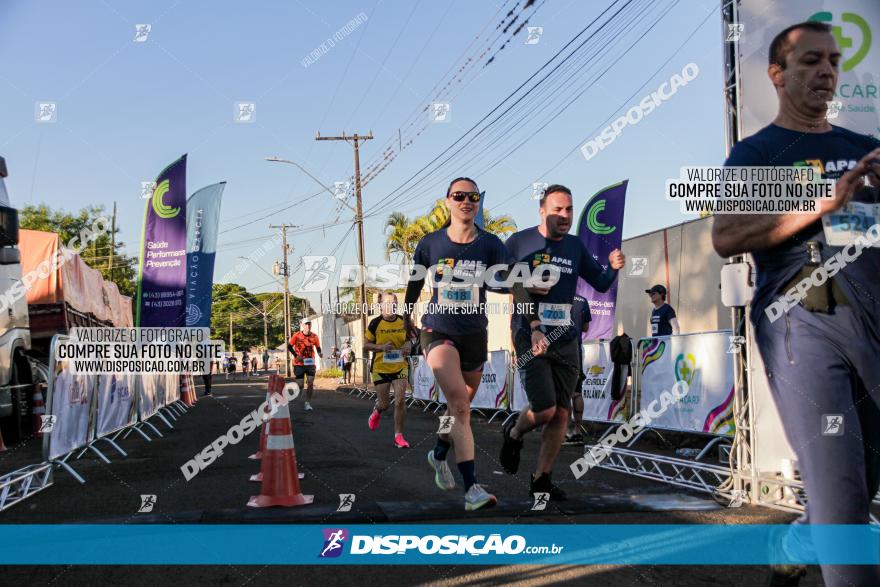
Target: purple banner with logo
601,230
161,295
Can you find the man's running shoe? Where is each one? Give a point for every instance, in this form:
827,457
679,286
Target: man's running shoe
477,497
308,407
373,422
400,441
510,449
575,438
783,575
543,484
442,475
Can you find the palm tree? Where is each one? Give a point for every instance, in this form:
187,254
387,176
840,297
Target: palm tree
397,229
403,233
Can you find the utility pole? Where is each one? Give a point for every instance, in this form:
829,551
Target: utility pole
359,222
285,272
112,243
265,325
231,348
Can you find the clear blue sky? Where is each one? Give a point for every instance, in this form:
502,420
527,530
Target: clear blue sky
126,109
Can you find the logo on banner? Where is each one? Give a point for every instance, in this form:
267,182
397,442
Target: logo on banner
161,209
845,42
334,539
193,314
595,225
685,367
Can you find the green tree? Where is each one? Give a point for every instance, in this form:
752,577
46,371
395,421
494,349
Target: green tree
97,254
246,309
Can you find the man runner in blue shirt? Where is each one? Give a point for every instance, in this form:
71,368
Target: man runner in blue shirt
821,355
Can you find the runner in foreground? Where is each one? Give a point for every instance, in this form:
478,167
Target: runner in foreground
303,345
454,338
821,356
547,348
387,339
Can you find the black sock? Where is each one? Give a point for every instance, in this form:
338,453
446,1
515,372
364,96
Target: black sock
440,449
467,474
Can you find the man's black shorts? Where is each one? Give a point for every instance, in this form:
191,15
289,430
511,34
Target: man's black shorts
380,378
473,349
299,371
548,379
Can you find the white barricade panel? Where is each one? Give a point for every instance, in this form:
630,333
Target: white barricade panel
599,405
115,394
172,387
149,396
161,390
703,362
71,398
424,385
518,399
492,393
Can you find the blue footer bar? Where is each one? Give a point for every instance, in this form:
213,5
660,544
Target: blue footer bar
413,544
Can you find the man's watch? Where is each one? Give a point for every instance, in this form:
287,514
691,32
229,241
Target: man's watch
540,328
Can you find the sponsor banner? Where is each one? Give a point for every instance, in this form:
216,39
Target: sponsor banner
492,393
161,294
424,385
149,395
71,405
115,393
601,230
202,218
518,398
596,390
453,544
855,26
702,361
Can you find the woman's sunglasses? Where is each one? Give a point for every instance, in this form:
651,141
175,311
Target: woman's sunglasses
474,197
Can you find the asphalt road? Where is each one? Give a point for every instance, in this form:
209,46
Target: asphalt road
338,454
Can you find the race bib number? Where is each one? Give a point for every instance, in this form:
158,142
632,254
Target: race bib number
844,226
555,314
309,362
458,295
392,356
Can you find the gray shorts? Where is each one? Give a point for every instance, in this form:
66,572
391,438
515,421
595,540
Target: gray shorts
548,379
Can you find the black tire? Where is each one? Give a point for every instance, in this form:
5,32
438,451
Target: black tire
21,397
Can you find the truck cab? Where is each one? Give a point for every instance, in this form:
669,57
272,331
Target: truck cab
15,338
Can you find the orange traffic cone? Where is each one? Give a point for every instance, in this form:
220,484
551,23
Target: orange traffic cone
39,410
271,387
280,477
186,391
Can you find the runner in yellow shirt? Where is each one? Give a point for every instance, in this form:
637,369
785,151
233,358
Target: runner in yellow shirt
387,338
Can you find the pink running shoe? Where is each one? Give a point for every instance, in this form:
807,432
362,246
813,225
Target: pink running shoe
373,422
400,441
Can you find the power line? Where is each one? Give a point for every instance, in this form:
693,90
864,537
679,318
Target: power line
390,198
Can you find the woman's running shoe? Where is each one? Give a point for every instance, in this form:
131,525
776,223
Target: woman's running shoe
373,422
477,497
442,475
399,440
